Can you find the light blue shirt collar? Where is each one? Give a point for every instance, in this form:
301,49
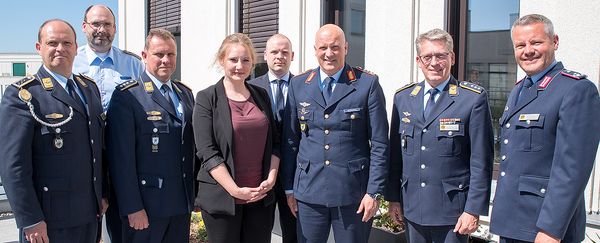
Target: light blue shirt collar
536,77
336,76
95,60
440,87
285,78
62,80
157,82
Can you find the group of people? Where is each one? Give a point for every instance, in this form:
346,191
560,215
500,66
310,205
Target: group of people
100,130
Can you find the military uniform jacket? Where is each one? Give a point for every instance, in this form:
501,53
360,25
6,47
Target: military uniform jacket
51,173
150,150
335,152
548,142
442,166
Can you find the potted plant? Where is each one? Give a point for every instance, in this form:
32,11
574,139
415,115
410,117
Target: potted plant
385,230
197,229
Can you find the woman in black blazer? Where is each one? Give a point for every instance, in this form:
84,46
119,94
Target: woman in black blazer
232,121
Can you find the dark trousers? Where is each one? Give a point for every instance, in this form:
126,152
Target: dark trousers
251,223
287,221
509,240
78,234
114,225
172,229
314,222
416,233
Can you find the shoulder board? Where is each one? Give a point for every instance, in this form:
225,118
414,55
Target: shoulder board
573,74
127,84
21,83
405,87
132,54
305,72
365,71
182,84
471,86
87,77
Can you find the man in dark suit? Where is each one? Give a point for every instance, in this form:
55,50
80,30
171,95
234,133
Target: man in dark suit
279,57
549,138
51,127
150,147
441,144
335,145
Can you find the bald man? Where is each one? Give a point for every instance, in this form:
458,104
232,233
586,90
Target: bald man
279,56
335,157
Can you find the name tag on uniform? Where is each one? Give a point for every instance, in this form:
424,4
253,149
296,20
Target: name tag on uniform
450,124
351,110
529,117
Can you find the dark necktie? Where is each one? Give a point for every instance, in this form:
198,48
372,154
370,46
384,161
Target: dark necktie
167,94
327,89
73,93
430,102
279,100
527,83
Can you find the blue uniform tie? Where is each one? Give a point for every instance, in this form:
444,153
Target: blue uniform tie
430,102
327,88
167,93
279,100
73,93
527,83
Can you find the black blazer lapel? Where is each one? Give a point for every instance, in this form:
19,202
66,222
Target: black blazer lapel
343,87
224,113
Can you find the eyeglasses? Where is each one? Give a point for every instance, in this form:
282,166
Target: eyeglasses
98,25
440,57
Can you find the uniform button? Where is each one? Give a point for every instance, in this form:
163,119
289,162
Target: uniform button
45,189
90,123
423,184
507,125
502,173
327,162
182,141
94,160
155,129
183,159
505,141
543,190
143,182
506,108
422,166
528,122
183,175
326,146
449,133
326,131
460,186
352,116
94,178
422,147
302,118
362,167
92,141
424,130
57,130
503,157
326,116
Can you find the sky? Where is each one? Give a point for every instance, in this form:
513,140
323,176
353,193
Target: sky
21,20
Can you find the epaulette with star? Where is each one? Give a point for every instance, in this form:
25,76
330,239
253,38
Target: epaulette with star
405,87
182,84
365,71
132,54
127,84
573,74
23,82
471,86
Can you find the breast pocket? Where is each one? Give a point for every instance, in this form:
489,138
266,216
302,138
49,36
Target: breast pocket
56,140
407,140
450,140
529,134
353,120
152,134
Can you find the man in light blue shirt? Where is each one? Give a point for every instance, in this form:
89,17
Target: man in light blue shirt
108,65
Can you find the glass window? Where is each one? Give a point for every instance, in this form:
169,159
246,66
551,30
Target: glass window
350,16
18,69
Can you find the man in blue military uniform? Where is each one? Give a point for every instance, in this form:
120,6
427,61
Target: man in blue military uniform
109,66
51,126
150,148
279,56
549,138
441,144
335,145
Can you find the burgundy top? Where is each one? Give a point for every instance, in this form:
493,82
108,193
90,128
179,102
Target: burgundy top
250,127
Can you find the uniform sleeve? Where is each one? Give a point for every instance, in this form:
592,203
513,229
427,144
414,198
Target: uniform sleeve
16,167
121,152
481,138
577,136
208,150
378,135
393,193
291,140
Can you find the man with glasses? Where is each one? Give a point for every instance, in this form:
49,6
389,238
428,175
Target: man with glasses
548,142
109,66
441,149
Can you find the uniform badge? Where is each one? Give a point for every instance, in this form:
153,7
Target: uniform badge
148,87
415,91
450,125
58,141
154,118
54,116
406,113
529,117
405,120
310,77
80,81
155,141
153,113
103,116
453,90
303,127
47,83
304,104
351,75
24,95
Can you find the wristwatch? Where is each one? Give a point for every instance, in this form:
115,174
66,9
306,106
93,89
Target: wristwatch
375,196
